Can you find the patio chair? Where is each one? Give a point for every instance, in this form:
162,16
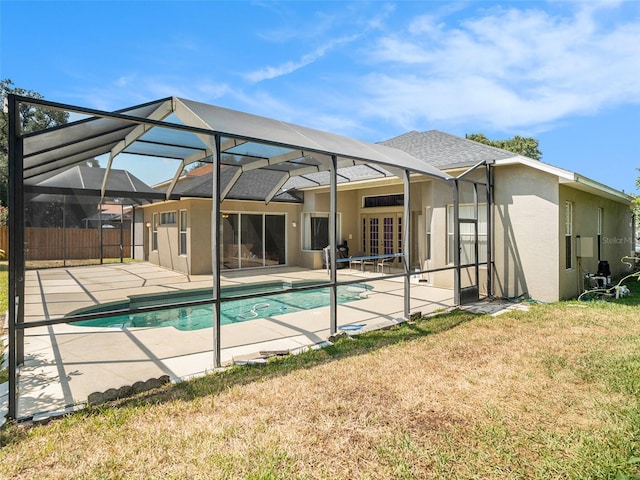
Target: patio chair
360,261
382,262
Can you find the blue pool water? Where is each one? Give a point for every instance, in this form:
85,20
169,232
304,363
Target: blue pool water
233,311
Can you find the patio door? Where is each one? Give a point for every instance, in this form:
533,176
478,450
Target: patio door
382,234
252,240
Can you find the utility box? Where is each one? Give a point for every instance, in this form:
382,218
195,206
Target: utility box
584,247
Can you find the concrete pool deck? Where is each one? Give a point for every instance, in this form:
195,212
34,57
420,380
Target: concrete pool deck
64,364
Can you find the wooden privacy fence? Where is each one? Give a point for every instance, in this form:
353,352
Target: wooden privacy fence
71,243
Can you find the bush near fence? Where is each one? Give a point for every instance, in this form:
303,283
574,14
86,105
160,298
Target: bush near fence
70,243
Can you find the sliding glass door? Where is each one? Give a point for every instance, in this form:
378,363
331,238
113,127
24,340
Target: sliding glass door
252,240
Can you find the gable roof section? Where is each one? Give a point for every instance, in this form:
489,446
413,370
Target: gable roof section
447,151
444,150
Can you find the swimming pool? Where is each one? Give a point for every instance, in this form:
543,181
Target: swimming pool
233,311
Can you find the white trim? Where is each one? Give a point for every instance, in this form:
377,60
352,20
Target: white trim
155,221
568,235
182,230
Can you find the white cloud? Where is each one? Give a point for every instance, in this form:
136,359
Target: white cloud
270,72
505,68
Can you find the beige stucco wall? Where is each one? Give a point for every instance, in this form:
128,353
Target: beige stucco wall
616,240
528,234
425,192
199,232
168,247
527,249
439,195
349,203
199,236
318,201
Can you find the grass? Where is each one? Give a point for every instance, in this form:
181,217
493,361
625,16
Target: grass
549,393
553,393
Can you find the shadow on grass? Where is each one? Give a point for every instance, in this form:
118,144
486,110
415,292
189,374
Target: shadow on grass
344,347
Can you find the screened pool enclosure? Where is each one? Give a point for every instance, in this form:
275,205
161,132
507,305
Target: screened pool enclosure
172,238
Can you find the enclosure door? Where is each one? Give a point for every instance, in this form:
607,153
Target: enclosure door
469,274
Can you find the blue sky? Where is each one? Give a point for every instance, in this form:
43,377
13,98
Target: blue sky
566,73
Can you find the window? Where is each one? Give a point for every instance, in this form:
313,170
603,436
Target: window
600,214
183,232
154,233
319,232
568,235
467,234
316,231
396,200
168,218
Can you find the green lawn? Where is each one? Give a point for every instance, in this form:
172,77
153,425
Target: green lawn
553,393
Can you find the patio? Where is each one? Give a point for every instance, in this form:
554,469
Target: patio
64,363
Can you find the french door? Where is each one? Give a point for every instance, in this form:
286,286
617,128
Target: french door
381,234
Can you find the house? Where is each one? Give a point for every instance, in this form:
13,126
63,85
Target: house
421,210
549,227
456,213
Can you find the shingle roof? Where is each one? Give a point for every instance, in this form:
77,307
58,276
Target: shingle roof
252,185
443,150
85,184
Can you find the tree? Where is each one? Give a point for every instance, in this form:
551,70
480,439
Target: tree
525,146
32,119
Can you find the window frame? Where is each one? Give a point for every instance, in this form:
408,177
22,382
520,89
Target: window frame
182,232
168,218
154,232
568,235
306,229
393,200
599,231
428,219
